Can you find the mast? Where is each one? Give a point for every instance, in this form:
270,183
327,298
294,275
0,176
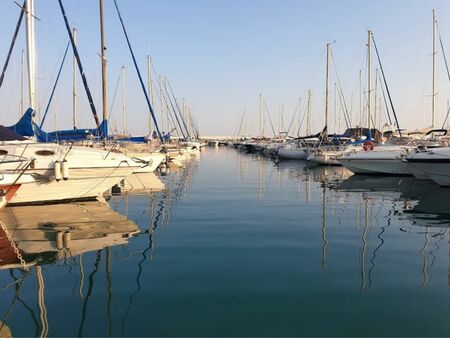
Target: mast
31,53
327,85
21,82
360,98
123,101
260,115
282,127
74,83
375,101
433,83
150,88
369,34
335,106
103,55
308,115
184,113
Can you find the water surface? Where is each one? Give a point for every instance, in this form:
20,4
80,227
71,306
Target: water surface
236,246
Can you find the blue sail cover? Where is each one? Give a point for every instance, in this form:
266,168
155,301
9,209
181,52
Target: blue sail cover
71,134
134,139
26,127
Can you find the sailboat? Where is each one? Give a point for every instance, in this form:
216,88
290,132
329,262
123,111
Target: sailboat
392,159
298,148
326,152
371,159
63,171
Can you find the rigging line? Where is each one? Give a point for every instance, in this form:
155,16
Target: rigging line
138,73
387,88
385,102
303,119
157,88
80,67
270,119
343,106
13,42
175,112
178,108
341,92
365,95
54,86
297,107
114,97
169,112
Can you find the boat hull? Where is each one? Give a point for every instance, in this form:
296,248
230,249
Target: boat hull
382,161
83,184
377,166
292,154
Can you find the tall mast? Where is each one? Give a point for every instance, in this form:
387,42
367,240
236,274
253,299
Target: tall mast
260,115
375,100
308,115
327,85
150,88
360,98
21,82
369,34
74,83
31,53
335,106
123,101
433,94
103,55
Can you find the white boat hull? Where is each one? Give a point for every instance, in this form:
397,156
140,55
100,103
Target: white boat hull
382,161
83,184
292,154
434,164
325,159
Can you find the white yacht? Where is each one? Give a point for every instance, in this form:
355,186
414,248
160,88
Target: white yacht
292,151
64,172
433,164
382,160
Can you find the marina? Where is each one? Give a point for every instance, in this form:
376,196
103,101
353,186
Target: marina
303,246
322,210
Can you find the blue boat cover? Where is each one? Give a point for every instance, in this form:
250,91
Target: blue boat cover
25,125
27,128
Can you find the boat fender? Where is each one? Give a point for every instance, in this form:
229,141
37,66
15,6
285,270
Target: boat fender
65,170
57,170
368,146
59,240
67,239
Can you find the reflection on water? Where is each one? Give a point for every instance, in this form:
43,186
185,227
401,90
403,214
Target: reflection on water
234,245
78,238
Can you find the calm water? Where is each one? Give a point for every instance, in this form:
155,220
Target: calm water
236,246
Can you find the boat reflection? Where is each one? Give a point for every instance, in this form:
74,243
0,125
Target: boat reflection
418,207
39,235
139,183
81,237
43,234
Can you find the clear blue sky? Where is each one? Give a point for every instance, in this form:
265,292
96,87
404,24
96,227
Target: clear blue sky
220,55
